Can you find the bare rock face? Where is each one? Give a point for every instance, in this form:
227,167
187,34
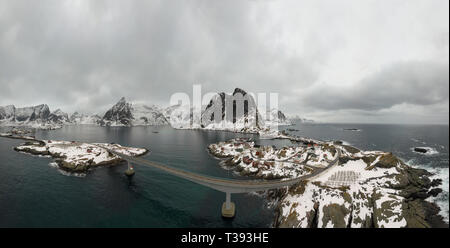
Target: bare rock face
281,117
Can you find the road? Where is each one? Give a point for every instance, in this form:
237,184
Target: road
223,184
220,184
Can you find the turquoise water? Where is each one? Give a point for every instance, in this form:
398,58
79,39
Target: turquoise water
34,194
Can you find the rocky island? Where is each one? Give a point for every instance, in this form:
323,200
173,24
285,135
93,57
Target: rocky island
425,150
72,156
363,189
271,163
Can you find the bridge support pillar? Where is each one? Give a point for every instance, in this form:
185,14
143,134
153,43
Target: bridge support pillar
130,171
228,207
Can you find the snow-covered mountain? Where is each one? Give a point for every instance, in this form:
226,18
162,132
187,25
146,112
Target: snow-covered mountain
275,117
36,116
7,113
231,117
83,119
247,120
179,116
297,118
59,117
40,117
124,113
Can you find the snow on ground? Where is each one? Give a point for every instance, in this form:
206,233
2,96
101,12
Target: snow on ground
80,156
346,194
358,167
240,126
325,196
392,217
269,162
266,161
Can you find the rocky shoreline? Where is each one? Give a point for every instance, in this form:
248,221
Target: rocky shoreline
366,189
78,157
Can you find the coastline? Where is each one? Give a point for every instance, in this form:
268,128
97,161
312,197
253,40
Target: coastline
415,200
409,191
75,157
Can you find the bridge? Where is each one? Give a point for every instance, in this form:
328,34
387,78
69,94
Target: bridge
228,186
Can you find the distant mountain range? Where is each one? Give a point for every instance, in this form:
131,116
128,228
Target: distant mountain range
83,119
296,118
40,117
125,113
37,117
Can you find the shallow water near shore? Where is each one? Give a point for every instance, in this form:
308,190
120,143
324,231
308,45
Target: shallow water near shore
35,194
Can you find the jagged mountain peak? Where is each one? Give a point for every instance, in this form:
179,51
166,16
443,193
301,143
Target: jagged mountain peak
38,116
83,119
124,113
58,111
234,120
239,90
122,102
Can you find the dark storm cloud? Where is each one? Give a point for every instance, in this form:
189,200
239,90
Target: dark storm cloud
411,83
85,55
93,54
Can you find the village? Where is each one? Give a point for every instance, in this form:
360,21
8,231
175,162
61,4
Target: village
269,162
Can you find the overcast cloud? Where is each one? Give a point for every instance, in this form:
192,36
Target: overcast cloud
344,61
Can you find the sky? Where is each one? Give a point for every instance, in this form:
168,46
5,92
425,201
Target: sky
381,61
